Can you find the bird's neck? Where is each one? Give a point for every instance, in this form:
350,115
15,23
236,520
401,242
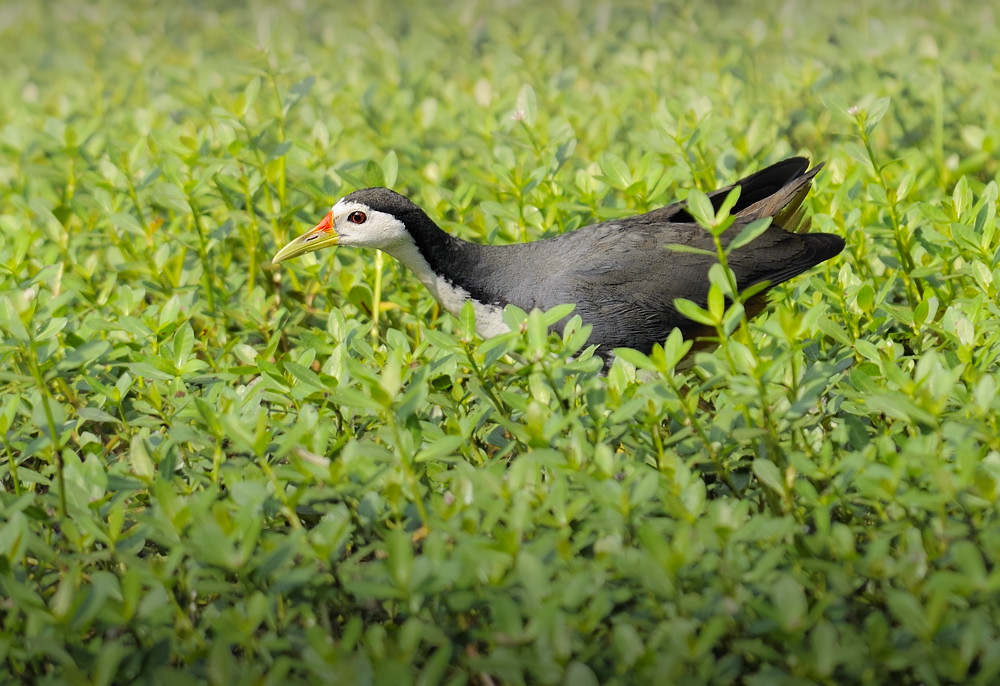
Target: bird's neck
447,255
451,269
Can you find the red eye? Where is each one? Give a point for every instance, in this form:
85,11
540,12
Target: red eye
357,217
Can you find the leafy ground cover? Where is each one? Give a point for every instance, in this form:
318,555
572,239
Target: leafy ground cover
217,469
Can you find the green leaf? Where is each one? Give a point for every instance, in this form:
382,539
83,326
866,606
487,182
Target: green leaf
866,298
907,609
183,345
514,317
875,112
446,446
467,321
769,475
399,557
789,599
95,414
556,314
961,197
675,348
695,313
304,375
527,106
749,233
728,203
298,91
139,459
390,168
616,171
700,207
688,249
826,647
635,358
579,674
52,327
442,340
352,397
716,302
858,153
249,95
538,333
628,644
169,311
172,197
499,210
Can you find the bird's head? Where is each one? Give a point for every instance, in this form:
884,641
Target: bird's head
368,218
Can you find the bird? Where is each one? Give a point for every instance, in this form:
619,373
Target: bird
621,275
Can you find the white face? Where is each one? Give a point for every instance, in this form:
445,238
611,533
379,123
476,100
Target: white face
358,225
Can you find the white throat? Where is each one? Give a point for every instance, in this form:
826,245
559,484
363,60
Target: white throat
489,318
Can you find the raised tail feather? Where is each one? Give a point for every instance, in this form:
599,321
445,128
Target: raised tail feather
776,191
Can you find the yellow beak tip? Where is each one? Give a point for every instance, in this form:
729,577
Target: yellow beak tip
306,243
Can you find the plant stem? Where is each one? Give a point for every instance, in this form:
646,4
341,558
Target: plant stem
377,294
914,291
206,265
50,420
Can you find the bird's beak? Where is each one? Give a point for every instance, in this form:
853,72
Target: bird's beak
317,237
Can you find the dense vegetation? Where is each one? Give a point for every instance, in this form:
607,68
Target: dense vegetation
216,468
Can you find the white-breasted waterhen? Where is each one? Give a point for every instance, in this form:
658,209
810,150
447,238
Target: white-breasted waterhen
620,274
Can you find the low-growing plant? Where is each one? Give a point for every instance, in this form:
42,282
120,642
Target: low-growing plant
214,469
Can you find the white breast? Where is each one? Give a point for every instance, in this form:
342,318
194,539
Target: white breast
489,318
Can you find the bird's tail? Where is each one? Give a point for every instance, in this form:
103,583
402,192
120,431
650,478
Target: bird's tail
778,192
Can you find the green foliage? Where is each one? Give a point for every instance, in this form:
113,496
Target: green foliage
215,469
